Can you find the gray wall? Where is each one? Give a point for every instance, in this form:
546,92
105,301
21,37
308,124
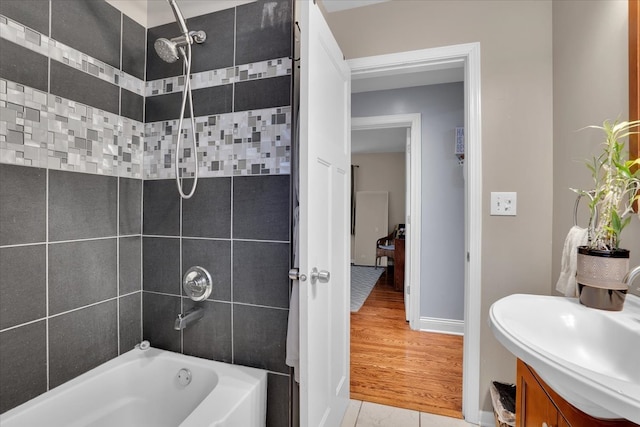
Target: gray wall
442,200
586,92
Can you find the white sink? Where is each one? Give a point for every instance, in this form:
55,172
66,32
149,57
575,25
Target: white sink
590,357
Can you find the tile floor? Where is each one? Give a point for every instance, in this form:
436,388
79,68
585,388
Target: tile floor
367,414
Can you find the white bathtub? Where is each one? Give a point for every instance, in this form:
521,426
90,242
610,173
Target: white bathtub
142,388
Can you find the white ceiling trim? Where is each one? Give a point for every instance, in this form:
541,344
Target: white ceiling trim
340,5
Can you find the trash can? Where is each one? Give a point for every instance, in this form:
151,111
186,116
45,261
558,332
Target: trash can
503,399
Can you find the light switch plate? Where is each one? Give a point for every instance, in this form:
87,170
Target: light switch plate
504,203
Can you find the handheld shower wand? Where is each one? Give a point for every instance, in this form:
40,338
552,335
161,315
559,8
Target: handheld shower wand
179,18
168,50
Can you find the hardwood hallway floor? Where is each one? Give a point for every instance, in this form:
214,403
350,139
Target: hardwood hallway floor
393,365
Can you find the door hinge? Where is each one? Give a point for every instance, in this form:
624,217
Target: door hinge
468,257
408,290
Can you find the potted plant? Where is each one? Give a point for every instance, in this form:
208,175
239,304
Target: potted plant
602,264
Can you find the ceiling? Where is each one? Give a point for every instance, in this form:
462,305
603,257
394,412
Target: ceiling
150,13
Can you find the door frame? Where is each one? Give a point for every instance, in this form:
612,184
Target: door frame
468,56
414,220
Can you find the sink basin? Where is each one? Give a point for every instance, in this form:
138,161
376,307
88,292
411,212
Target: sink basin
589,356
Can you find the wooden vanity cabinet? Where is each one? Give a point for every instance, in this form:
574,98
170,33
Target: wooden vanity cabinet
537,405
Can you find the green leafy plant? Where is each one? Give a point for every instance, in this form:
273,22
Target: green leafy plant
616,187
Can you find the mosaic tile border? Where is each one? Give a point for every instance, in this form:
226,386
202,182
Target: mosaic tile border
44,130
44,45
254,142
205,79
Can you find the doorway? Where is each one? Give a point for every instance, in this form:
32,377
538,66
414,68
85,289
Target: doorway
467,57
411,146
412,368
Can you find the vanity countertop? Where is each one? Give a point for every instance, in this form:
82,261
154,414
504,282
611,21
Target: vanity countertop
588,356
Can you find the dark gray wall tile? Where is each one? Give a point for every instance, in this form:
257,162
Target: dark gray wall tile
278,400
260,273
209,337
217,51
133,47
208,212
130,206
263,31
23,66
130,262
161,208
22,204
132,105
82,205
22,284
262,93
27,12
79,86
163,107
215,257
161,265
259,337
92,27
130,321
211,100
81,273
81,340
261,207
159,315
23,364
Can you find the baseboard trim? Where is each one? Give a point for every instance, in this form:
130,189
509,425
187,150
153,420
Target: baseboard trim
442,326
487,419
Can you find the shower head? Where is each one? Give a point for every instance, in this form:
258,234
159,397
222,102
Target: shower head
167,50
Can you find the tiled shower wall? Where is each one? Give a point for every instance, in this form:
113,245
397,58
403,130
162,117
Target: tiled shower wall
70,292
237,223
72,99
71,141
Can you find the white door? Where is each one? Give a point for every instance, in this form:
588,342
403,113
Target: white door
325,158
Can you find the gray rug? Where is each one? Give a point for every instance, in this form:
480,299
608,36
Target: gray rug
363,280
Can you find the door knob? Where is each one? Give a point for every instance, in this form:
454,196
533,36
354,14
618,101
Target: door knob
322,276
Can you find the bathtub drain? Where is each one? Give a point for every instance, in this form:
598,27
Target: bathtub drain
184,377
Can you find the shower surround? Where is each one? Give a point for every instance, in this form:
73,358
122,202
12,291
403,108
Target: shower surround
91,224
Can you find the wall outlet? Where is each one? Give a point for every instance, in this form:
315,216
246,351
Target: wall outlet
503,203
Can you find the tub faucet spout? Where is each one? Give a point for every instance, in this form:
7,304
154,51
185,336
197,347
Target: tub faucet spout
188,318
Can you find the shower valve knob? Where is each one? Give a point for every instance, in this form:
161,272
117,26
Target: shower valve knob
197,283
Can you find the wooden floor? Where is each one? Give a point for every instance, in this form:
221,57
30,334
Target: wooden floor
393,365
